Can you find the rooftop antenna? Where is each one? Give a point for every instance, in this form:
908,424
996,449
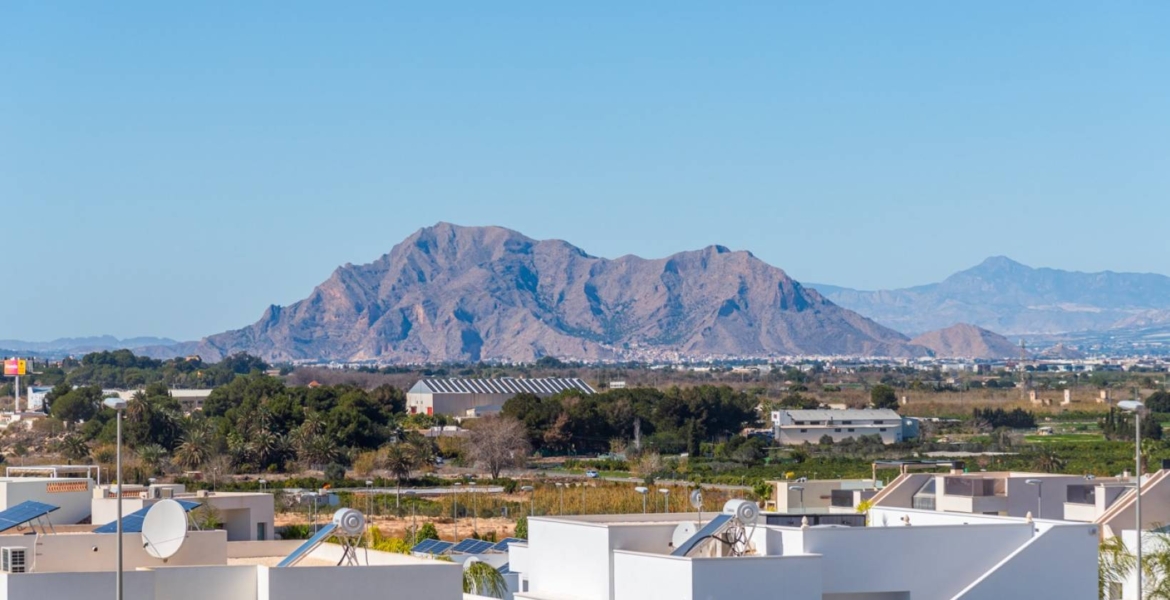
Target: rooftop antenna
164,529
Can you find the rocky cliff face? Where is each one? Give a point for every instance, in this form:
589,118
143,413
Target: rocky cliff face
451,293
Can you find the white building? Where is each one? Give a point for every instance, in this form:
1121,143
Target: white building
794,427
903,555
822,495
458,396
71,495
246,516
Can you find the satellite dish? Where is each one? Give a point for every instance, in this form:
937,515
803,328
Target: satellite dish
350,522
164,529
697,499
683,532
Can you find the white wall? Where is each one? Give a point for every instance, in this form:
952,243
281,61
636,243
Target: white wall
74,506
98,551
399,582
138,585
568,561
927,562
203,583
1069,550
640,576
763,577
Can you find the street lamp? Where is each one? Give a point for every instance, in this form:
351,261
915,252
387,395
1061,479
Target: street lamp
561,492
582,497
1137,408
665,503
369,496
531,498
455,510
798,488
1039,483
263,484
118,405
474,509
413,520
642,490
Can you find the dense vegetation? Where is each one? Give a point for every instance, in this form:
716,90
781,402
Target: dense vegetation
672,421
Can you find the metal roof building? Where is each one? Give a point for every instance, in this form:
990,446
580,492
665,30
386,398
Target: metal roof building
470,397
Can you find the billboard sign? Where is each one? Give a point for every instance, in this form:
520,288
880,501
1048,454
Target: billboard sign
14,367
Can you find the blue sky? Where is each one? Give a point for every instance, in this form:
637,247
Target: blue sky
173,168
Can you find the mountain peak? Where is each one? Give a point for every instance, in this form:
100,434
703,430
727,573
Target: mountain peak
964,340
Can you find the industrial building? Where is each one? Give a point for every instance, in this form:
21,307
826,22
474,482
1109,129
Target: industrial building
794,427
476,397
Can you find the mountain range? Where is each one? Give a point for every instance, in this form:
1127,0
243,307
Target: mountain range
84,344
1005,296
452,293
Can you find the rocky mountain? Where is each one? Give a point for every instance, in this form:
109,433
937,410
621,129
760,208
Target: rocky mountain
451,293
967,341
1006,296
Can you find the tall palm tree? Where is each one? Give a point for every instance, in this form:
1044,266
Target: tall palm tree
482,579
399,459
152,456
1114,564
74,447
194,451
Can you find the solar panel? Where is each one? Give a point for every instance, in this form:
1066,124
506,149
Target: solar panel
308,546
471,546
23,513
423,546
502,545
505,569
713,527
132,523
440,547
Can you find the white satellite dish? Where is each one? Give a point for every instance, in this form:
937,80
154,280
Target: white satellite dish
164,529
682,532
697,500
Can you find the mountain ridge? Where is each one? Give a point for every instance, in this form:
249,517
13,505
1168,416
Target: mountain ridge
1011,298
453,293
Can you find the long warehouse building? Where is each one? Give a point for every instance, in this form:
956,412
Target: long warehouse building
459,397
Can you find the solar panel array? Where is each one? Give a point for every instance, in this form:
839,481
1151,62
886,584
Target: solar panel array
433,547
502,545
507,385
23,513
505,569
472,546
132,523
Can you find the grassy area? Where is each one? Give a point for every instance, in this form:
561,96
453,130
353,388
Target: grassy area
1064,437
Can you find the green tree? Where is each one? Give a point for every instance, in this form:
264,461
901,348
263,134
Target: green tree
883,396
77,405
522,527
482,579
399,459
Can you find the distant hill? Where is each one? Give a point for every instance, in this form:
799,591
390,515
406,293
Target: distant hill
451,293
967,341
83,345
1005,296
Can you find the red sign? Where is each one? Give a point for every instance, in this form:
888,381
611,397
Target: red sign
14,367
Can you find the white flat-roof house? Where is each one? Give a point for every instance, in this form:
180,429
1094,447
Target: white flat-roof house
822,495
246,516
907,555
71,495
459,396
793,427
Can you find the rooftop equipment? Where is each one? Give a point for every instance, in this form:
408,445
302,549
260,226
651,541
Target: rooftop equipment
164,529
730,528
132,523
348,525
26,512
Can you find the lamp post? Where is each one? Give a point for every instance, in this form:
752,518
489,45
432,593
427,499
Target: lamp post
1039,483
582,498
263,484
118,405
665,499
1136,408
413,520
531,498
642,490
455,510
799,488
369,496
561,493
474,509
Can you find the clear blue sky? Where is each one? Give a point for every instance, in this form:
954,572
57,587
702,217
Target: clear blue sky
172,168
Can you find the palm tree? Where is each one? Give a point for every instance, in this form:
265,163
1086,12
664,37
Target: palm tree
193,452
399,460
74,447
1114,564
1048,461
152,456
482,579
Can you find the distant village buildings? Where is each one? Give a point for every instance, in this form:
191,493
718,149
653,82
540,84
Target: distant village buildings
476,397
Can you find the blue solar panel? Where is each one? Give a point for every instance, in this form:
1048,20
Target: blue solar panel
23,513
481,547
132,523
440,547
713,527
469,546
502,545
423,546
505,569
308,546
